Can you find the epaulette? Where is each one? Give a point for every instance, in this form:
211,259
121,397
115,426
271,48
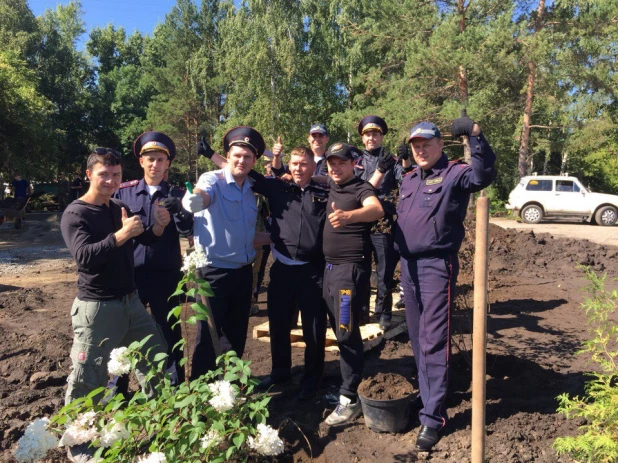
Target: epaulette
129,183
457,161
410,172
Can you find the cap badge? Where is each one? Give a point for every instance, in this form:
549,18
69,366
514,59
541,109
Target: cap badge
247,139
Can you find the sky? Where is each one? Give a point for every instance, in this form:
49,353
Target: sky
141,15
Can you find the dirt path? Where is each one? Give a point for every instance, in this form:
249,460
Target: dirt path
535,325
563,229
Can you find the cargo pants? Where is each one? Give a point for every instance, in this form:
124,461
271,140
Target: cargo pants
101,326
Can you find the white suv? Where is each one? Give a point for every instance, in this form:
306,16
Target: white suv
541,196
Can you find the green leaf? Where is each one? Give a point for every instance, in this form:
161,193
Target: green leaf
239,439
175,312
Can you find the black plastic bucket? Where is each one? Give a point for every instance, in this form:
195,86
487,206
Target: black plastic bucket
387,415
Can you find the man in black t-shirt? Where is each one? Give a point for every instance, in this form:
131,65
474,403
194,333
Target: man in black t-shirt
352,208
100,233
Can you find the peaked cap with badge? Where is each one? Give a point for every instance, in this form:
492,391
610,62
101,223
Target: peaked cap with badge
154,141
244,136
372,122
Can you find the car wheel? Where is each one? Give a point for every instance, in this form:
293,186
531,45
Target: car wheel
531,214
606,215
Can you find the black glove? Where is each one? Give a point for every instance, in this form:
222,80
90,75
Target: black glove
173,205
204,149
462,126
385,162
403,151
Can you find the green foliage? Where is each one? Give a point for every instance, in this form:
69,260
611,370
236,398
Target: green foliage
176,420
597,440
280,65
214,418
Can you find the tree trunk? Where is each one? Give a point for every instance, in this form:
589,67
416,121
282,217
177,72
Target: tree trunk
463,77
525,131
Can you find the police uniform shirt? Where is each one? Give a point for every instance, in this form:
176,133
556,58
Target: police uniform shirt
226,229
366,165
432,204
105,272
350,243
297,216
165,254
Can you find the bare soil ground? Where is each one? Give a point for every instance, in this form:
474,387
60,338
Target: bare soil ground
535,325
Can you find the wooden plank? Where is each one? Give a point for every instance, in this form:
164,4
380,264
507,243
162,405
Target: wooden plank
371,334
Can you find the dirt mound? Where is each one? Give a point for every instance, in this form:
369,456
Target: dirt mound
385,386
531,255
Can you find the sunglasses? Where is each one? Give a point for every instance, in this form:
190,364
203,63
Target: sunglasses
103,151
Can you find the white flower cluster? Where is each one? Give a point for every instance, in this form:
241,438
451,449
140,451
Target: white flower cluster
35,442
267,442
211,439
119,361
155,457
197,259
113,432
224,395
80,431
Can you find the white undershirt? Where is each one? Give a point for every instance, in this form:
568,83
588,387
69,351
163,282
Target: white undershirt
283,259
152,189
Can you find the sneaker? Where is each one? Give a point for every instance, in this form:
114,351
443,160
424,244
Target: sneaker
82,453
345,412
401,304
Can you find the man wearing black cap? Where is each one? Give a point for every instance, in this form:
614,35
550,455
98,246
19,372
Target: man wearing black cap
433,200
157,267
372,129
351,209
225,216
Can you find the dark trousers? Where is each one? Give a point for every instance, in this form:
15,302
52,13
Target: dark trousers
230,307
346,289
154,288
385,257
428,285
297,286
261,270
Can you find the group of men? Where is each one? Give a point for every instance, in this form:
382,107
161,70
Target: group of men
321,221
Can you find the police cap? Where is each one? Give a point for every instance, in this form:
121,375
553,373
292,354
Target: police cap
244,136
342,151
372,122
425,130
154,141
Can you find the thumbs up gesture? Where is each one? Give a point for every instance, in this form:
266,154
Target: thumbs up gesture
131,226
278,147
162,216
338,218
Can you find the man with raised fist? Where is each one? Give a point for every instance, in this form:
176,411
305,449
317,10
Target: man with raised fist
100,233
352,208
433,200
